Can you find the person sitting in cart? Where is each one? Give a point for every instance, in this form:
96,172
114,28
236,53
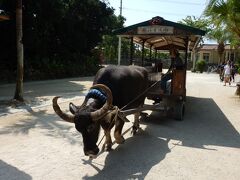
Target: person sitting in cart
176,63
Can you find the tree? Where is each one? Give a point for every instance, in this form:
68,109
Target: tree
59,37
225,17
110,41
197,22
225,12
214,31
19,83
221,35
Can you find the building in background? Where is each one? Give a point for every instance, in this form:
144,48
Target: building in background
209,53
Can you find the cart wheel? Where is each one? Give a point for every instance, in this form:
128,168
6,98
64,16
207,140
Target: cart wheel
179,111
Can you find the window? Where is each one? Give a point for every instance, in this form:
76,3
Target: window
206,57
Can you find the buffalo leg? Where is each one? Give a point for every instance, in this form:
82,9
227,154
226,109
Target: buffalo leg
108,141
136,123
118,131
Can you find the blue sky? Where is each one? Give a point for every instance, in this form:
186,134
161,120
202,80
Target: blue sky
136,11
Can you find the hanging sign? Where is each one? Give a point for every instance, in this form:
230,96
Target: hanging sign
155,30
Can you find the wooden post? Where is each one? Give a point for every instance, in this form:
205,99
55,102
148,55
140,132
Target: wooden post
131,51
143,52
155,60
186,51
150,53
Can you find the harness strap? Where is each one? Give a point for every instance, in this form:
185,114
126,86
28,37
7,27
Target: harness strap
114,109
118,112
140,95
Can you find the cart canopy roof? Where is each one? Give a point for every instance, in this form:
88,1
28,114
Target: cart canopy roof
162,34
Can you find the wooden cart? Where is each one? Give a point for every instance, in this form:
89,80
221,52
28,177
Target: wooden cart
174,100
160,34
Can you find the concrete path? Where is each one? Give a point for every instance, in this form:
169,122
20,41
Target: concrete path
36,144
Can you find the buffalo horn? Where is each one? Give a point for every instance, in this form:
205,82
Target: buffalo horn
98,114
58,111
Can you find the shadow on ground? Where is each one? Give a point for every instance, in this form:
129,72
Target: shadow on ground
204,125
11,172
38,93
135,158
49,125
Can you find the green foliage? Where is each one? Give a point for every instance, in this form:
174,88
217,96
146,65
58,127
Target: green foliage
110,42
197,22
110,45
225,13
201,64
238,66
58,36
215,31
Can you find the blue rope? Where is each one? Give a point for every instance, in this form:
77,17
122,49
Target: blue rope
97,94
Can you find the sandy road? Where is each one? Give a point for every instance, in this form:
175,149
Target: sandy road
36,144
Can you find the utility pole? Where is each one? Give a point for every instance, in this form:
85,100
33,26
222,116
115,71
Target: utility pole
119,38
120,7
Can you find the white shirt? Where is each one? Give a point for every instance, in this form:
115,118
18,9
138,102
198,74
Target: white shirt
227,70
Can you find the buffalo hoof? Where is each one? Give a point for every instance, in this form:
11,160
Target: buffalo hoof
120,140
135,129
107,147
143,115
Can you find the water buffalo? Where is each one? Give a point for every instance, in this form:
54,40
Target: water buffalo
112,86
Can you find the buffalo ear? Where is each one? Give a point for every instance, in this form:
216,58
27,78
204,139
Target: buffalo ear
72,108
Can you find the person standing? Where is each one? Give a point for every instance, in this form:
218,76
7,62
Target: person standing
233,72
227,73
221,71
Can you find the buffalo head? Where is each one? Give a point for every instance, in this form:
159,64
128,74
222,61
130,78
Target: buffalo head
87,118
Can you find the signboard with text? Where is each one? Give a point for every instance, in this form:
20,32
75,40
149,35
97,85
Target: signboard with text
155,30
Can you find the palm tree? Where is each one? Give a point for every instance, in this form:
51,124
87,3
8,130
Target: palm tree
225,16
225,12
221,35
19,82
234,41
